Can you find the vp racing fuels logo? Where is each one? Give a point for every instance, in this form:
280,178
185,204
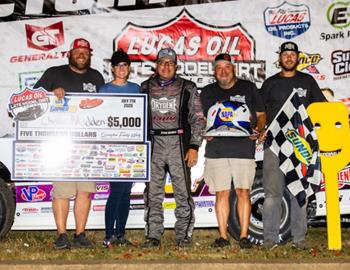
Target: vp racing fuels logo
33,194
45,38
287,20
196,45
301,147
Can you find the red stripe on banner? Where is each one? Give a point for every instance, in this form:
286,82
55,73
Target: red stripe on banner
302,134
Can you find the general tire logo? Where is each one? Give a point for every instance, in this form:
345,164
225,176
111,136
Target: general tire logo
45,38
287,20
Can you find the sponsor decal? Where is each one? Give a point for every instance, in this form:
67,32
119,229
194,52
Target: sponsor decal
169,205
28,79
341,64
30,210
164,105
343,179
32,194
301,92
100,196
196,45
287,20
62,105
100,188
45,210
28,104
308,63
338,16
301,147
98,208
45,38
201,204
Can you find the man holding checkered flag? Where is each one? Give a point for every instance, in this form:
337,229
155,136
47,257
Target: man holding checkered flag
290,152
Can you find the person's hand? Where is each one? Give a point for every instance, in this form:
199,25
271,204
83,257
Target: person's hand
262,136
255,135
59,92
191,157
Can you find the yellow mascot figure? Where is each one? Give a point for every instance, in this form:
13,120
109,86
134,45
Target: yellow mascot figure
331,123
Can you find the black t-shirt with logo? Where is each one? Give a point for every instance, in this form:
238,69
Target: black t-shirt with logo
276,89
70,81
232,147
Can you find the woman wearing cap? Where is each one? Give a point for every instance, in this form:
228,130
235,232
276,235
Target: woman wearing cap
118,203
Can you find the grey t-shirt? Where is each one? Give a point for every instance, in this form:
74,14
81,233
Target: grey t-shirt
232,147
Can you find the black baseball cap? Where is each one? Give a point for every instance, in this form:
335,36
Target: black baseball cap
120,56
223,57
289,46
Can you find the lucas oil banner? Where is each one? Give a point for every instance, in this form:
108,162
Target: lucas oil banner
37,34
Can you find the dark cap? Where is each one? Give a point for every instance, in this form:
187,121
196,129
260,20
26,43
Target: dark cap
167,53
80,43
223,57
119,56
289,46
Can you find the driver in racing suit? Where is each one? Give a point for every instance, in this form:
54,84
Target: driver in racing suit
175,127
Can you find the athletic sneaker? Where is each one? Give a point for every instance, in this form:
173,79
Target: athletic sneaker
269,244
220,243
184,243
151,243
244,243
62,241
80,241
121,241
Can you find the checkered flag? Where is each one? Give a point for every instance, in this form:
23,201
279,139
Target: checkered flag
291,137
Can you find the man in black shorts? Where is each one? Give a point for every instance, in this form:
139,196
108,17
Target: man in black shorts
79,77
232,158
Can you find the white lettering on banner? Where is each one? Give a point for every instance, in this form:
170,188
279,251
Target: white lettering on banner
152,44
34,6
46,37
6,9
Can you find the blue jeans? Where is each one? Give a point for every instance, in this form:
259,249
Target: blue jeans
117,208
274,186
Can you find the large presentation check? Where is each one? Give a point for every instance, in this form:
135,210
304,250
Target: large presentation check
81,137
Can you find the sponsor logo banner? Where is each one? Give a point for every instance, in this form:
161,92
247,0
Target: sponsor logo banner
338,14
196,45
287,20
24,10
45,38
341,64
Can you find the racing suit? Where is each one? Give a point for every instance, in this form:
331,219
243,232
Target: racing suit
175,125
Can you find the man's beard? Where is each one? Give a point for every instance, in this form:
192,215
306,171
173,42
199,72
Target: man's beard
285,68
79,66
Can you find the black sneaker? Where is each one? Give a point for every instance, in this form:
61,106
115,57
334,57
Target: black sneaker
244,243
220,243
80,241
151,243
62,241
184,243
121,241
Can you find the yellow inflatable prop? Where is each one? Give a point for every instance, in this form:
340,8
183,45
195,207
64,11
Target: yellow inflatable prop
331,123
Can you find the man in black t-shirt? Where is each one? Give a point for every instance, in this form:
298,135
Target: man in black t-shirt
232,158
77,76
275,92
